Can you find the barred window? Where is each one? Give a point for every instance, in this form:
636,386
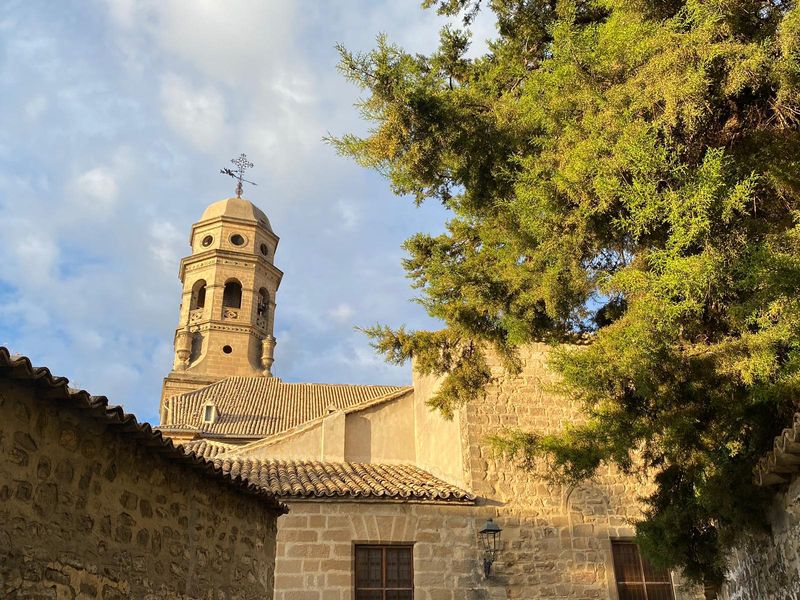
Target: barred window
636,578
384,572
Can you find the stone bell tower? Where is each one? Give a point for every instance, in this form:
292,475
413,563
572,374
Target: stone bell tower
228,305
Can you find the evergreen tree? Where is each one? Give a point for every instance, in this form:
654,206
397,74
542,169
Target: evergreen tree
628,170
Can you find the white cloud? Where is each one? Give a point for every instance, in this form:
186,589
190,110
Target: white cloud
231,42
35,107
22,312
264,142
195,113
348,213
296,90
97,189
342,313
166,244
123,12
34,256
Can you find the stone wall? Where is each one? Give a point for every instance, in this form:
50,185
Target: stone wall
316,540
85,512
557,540
768,566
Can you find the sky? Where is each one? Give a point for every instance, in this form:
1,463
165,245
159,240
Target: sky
115,119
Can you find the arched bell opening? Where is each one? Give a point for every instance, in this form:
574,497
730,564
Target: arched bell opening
262,308
198,295
263,302
232,294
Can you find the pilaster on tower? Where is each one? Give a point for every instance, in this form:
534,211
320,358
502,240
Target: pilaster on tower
227,313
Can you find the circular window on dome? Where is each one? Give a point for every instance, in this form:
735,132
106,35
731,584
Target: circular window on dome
227,349
237,240
207,241
264,249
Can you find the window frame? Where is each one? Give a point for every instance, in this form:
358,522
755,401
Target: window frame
643,582
206,418
383,546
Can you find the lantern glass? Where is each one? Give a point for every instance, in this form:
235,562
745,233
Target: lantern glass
490,536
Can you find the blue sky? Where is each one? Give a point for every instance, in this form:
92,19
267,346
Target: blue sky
116,118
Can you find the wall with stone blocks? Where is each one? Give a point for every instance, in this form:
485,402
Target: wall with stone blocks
85,513
557,538
768,566
316,540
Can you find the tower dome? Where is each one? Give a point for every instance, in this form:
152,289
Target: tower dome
236,208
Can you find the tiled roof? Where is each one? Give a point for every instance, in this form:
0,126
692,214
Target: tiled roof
292,479
783,461
206,448
257,407
19,368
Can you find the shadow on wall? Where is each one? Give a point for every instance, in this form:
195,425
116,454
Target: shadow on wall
197,347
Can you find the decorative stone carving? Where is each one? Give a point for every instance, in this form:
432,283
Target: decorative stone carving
268,354
183,347
229,313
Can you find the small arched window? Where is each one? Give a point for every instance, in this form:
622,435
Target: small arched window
263,302
198,295
232,296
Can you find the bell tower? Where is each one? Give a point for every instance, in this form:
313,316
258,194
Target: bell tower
227,313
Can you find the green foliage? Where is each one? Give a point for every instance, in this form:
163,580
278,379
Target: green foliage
438,353
629,168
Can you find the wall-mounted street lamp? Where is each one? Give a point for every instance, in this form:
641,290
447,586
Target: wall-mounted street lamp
490,537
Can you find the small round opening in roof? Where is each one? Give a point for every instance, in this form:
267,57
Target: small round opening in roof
227,349
264,249
207,241
237,240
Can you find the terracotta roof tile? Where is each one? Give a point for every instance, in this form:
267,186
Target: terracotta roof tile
19,368
206,448
289,479
783,461
257,407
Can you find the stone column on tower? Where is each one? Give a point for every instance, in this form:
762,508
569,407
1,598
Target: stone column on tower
225,327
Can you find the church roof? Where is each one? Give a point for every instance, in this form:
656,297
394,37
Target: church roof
257,407
56,389
207,448
237,208
305,479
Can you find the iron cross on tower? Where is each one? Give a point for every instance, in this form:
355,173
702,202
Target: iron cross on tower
242,164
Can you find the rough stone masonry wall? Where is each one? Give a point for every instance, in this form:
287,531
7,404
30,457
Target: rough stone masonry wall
85,513
557,539
315,548
768,566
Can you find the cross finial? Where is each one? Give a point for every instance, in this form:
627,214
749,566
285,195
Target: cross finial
242,164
